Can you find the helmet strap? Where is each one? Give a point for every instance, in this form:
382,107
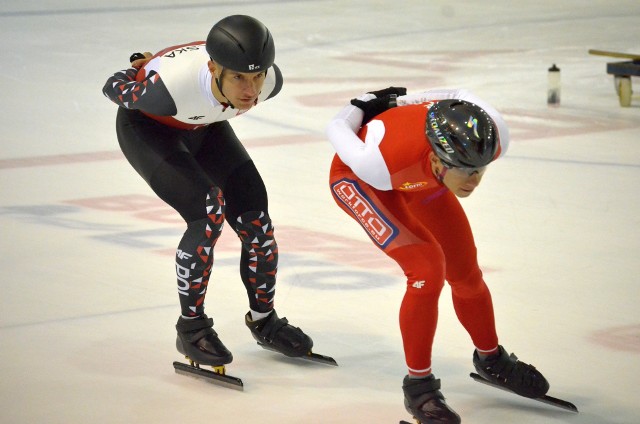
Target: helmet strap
219,85
435,161
440,175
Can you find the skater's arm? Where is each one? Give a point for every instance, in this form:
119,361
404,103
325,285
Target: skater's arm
363,157
148,95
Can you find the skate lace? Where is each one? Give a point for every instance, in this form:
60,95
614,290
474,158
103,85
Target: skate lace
512,370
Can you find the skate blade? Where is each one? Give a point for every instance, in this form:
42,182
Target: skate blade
549,400
217,377
310,356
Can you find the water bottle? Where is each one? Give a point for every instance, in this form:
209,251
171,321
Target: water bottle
553,90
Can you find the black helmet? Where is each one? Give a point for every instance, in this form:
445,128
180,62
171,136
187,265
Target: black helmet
242,44
461,134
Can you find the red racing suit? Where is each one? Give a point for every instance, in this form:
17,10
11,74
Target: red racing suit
381,176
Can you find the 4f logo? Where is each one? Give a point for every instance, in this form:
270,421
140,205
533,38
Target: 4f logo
183,273
473,123
418,284
182,255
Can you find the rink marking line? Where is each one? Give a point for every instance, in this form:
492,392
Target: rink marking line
53,160
83,317
574,162
129,9
35,161
101,156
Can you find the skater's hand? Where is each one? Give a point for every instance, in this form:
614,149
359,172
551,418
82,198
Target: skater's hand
374,107
138,60
398,91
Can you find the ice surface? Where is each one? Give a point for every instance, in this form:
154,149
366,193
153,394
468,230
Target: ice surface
88,295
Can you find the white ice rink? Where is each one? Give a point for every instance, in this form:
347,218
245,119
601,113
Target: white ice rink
88,299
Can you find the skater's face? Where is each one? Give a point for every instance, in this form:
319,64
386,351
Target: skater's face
241,89
461,181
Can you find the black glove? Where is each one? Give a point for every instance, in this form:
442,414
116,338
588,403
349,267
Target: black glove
374,107
136,56
398,91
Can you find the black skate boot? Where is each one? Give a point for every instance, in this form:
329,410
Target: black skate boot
277,334
506,371
423,400
199,343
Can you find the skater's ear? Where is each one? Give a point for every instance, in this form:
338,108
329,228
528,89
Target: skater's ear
435,162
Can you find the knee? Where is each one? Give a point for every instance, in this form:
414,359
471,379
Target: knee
212,214
429,287
469,285
205,231
216,208
244,191
423,265
256,232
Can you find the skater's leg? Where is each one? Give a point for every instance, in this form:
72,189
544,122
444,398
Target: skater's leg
474,308
259,265
164,158
473,304
247,212
245,195
471,297
401,234
249,217
180,183
423,265
194,257
259,260
415,250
